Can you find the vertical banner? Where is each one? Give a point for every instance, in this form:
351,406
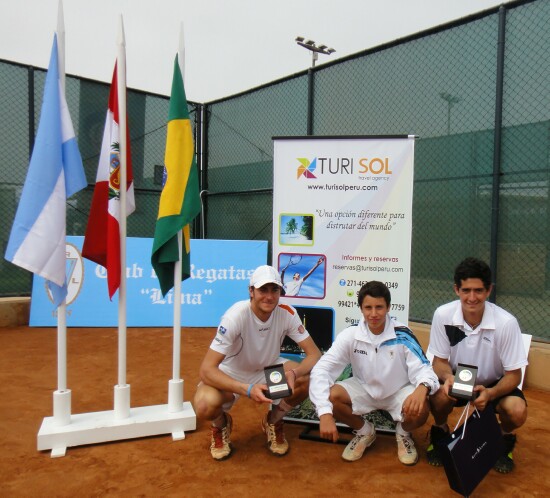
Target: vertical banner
342,216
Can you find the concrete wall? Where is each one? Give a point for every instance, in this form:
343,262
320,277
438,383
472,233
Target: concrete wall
14,311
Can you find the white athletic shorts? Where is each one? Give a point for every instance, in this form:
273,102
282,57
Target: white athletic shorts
255,378
362,402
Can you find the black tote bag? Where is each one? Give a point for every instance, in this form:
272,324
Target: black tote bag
472,450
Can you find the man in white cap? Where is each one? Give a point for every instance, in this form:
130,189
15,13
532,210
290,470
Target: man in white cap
248,339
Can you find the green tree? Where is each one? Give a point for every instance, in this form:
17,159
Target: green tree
291,226
307,227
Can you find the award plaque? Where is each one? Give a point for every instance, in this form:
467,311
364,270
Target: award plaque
276,382
465,380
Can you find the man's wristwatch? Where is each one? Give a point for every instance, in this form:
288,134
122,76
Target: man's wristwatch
427,386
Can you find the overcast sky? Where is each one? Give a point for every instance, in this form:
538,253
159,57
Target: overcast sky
230,45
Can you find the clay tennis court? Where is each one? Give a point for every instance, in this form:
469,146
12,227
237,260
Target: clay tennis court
158,466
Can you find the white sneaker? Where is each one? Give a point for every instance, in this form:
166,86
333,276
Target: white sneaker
406,452
357,446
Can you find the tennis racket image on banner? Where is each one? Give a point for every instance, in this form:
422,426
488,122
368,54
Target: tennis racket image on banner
293,260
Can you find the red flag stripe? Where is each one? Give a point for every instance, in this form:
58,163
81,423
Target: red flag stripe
102,238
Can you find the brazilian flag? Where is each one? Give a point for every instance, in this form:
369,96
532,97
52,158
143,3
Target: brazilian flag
179,200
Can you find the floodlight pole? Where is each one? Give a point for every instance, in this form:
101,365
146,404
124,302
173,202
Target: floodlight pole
451,100
315,50
310,88
314,57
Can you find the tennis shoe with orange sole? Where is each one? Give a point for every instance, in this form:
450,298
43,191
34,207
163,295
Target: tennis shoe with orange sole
220,442
276,441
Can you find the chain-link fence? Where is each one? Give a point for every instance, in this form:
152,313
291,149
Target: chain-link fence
475,93
240,157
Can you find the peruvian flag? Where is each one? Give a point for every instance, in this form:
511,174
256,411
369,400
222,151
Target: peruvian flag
102,238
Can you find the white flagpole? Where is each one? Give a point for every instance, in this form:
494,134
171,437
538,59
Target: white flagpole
177,312
181,54
61,397
122,390
175,386
61,45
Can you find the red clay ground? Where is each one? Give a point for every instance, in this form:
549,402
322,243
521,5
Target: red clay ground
158,466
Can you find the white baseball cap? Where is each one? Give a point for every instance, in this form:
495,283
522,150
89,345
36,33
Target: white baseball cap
265,274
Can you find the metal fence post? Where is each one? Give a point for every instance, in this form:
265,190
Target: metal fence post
205,113
30,79
310,88
497,152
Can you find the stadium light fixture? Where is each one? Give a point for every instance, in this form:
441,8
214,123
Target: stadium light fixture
314,48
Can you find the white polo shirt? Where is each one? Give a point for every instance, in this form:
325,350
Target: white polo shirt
495,346
249,344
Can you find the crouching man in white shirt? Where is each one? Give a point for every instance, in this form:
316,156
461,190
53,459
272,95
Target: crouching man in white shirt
390,372
248,339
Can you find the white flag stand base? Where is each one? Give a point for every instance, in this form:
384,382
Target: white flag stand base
99,427
175,402
175,395
122,401
62,407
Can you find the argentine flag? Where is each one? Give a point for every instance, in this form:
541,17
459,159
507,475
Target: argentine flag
37,239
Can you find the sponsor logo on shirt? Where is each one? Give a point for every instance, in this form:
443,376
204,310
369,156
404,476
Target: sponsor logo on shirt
263,329
222,330
360,351
301,329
